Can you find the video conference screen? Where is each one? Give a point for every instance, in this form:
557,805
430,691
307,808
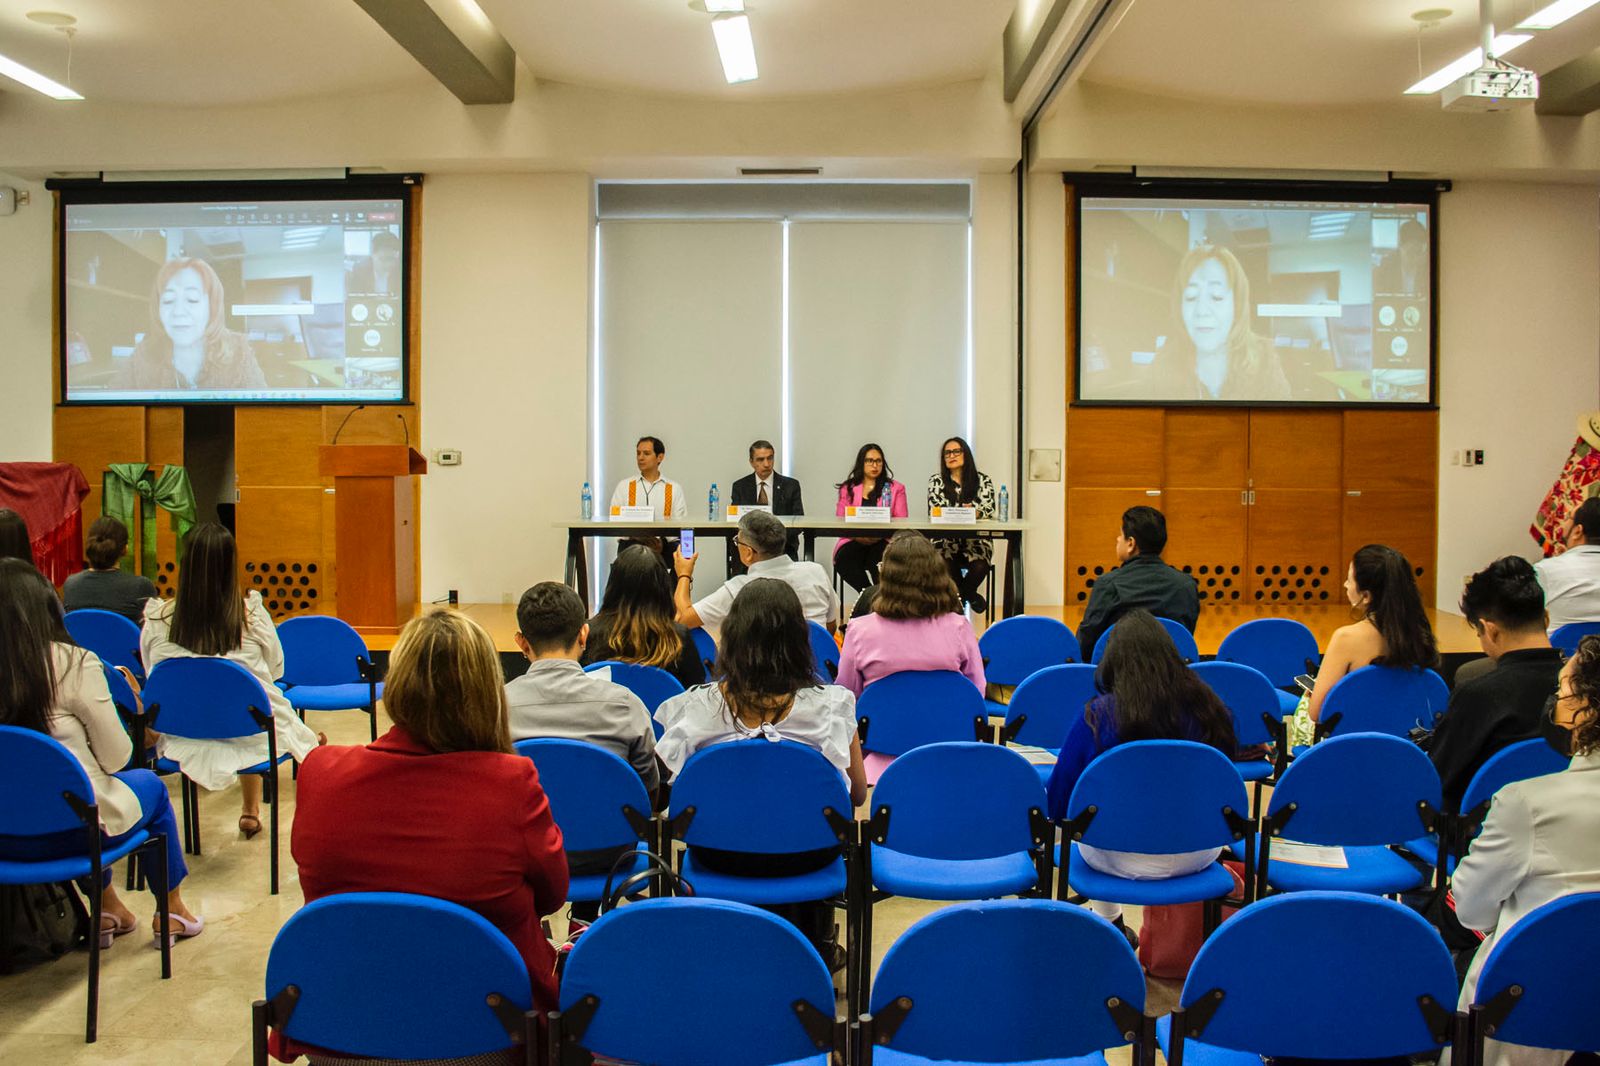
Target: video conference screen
234,301
1254,301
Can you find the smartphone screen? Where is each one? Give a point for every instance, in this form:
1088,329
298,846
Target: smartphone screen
686,542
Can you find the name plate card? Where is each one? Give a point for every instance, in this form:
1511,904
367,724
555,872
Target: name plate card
953,516
866,514
633,514
737,510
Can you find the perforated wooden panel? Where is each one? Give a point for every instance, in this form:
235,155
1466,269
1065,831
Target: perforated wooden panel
287,586
1296,583
1221,582
1080,582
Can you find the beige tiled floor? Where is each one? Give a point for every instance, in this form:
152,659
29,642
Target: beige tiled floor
202,1015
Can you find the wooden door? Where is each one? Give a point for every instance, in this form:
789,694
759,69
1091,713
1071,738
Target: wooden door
1114,461
1295,507
1392,487
1203,498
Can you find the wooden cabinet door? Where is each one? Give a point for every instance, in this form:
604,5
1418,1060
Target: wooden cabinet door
1296,461
1114,462
1391,485
1094,518
1207,460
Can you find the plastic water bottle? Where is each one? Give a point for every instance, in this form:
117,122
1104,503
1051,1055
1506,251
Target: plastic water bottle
1005,504
711,503
588,503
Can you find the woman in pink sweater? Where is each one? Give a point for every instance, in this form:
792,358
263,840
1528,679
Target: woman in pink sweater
915,622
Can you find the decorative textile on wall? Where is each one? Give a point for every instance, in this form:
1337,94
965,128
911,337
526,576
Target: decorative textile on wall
1580,479
49,497
126,482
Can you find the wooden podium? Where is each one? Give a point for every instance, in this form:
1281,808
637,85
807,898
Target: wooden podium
374,540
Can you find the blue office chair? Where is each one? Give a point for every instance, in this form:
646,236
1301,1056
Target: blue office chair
1567,637
1536,976
1257,716
653,685
1358,792
1015,648
915,707
1281,648
1385,985
1383,699
826,651
939,995
327,667
1044,707
204,698
1156,797
388,975
44,791
707,648
1182,639
651,982
598,802
109,635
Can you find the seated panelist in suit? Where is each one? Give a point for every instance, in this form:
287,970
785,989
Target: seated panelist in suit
766,487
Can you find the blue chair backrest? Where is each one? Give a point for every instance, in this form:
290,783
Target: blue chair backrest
1568,636
759,796
1051,699
1017,647
825,650
1385,699
1278,647
916,707
1550,955
121,693
588,787
1248,693
1371,957
396,976
1159,797
109,635
651,684
36,770
663,971
204,698
319,649
705,646
1360,789
959,801
1032,1009
1515,762
1182,639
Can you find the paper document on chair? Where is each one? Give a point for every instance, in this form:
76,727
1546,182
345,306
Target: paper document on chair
1309,855
1037,756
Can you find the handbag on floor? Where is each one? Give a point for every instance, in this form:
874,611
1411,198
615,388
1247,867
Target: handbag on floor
1170,936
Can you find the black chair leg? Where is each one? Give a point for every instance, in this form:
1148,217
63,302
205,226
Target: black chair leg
258,1033
158,878
272,785
372,713
96,898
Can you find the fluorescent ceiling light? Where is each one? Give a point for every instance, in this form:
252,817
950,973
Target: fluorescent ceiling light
716,6
36,81
736,47
1467,64
1555,14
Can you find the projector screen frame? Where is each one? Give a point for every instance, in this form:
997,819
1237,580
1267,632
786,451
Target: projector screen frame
1131,187
363,187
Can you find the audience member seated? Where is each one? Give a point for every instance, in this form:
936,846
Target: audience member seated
14,540
1143,580
1541,840
1393,629
1505,606
439,805
637,622
1571,578
210,617
959,483
105,586
870,483
52,686
916,621
760,543
1147,693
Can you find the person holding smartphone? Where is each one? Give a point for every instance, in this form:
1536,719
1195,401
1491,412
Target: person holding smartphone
760,544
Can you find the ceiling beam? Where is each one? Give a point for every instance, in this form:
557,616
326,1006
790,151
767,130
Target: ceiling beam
455,42
1572,88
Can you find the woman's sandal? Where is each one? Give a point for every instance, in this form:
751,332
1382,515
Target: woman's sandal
116,928
183,931
249,825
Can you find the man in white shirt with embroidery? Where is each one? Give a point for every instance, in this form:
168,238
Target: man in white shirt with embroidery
760,543
662,495
1571,580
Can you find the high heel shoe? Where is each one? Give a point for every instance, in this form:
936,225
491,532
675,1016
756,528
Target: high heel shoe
249,826
184,929
108,933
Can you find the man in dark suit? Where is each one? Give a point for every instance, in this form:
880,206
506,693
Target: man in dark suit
766,487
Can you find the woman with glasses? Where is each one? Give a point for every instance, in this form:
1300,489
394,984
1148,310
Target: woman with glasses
959,483
870,483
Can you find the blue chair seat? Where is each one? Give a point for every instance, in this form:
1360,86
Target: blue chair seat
588,888
1427,849
1374,870
952,879
330,697
889,1057
1202,1054
825,883
1288,702
1254,769
38,872
1214,882
996,709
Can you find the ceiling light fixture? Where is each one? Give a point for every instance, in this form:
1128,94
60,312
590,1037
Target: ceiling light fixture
736,47
1468,63
717,7
10,68
1555,14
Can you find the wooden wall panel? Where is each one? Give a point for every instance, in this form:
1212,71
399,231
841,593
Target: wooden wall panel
1115,447
1295,546
1207,535
1206,449
1392,450
1405,521
1296,449
1094,518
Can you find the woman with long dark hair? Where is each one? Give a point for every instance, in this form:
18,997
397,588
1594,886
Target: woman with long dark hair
210,617
14,540
870,483
636,622
104,586
1147,693
959,483
50,685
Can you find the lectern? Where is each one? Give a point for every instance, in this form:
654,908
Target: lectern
374,539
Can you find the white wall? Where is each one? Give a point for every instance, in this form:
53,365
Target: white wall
1046,382
25,350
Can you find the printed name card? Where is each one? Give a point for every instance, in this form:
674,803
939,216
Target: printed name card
953,516
1309,855
738,509
633,514
866,514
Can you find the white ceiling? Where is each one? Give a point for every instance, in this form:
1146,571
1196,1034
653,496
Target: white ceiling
1309,51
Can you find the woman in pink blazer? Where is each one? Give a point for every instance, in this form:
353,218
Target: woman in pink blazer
871,483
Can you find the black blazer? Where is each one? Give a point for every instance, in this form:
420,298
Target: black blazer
785,494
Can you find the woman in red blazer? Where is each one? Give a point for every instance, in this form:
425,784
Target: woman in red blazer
439,805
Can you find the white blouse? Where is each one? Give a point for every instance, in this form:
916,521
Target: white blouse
823,718
85,721
212,764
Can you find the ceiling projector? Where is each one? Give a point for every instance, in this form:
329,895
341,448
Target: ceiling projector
1495,86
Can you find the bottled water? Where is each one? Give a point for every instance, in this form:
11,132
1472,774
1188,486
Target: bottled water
711,503
1005,504
587,508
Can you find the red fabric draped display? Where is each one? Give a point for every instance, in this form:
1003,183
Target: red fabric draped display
49,497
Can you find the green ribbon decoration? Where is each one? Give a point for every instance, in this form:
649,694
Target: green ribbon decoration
125,483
